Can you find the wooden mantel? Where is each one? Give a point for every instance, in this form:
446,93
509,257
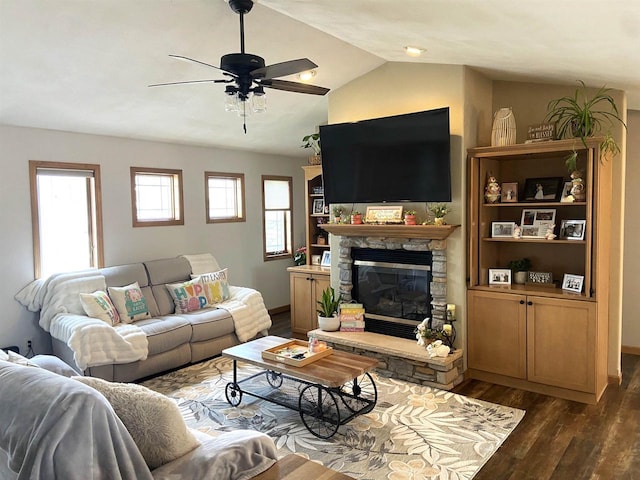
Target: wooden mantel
433,232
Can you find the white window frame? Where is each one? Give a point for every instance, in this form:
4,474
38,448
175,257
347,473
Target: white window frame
176,217
236,191
94,203
287,224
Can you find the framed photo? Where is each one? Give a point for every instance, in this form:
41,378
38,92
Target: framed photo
572,283
502,229
315,259
572,229
540,278
535,222
384,214
547,189
326,259
499,276
318,206
509,192
566,191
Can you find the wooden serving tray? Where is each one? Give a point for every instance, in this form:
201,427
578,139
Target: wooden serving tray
285,352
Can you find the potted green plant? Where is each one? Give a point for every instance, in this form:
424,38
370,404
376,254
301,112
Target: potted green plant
410,217
356,217
338,212
328,304
439,210
581,117
520,267
312,141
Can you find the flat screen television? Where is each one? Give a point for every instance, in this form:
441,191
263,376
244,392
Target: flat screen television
402,158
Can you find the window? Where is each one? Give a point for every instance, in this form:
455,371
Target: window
276,204
156,197
66,215
224,197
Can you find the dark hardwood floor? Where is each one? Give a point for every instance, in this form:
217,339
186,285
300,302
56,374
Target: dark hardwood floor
559,439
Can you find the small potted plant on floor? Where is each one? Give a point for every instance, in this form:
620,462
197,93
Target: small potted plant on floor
520,268
410,217
312,141
328,319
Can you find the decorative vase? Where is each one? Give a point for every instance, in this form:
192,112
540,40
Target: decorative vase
315,160
520,278
328,324
409,219
438,221
504,128
577,186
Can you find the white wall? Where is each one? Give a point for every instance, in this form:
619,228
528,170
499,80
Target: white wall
236,245
631,283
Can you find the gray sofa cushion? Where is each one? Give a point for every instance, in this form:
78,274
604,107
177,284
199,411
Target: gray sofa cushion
163,300
168,270
122,275
165,333
209,323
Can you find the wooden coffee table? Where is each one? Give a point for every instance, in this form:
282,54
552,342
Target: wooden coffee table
332,390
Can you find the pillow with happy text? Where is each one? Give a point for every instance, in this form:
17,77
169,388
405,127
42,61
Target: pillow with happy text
130,302
216,286
188,296
99,305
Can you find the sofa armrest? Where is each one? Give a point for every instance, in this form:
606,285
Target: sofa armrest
237,455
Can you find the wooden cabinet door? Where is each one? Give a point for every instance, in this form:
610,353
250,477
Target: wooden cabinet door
300,285
497,333
561,342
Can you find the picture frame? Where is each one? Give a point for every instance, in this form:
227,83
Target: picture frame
566,192
572,229
509,192
499,276
318,206
534,223
539,278
384,214
572,283
543,189
326,259
502,229
316,259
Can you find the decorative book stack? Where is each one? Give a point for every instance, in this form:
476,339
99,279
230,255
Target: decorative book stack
351,317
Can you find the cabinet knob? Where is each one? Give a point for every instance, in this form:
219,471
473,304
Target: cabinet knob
521,302
529,303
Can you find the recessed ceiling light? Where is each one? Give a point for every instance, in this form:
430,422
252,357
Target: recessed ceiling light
413,51
306,75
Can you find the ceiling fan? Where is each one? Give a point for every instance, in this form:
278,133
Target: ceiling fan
248,75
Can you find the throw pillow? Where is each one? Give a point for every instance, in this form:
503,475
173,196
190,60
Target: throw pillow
216,286
153,420
130,302
98,305
188,296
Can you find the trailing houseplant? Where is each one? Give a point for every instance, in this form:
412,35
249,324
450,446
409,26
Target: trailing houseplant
579,116
312,141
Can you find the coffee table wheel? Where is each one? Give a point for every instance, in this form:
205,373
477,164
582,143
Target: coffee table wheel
360,394
274,378
233,394
319,411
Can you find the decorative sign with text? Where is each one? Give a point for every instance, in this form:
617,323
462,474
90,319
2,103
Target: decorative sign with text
540,278
541,132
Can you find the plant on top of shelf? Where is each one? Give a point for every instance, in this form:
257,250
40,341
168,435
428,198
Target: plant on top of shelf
520,265
580,117
338,211
439,210
312,141
410,212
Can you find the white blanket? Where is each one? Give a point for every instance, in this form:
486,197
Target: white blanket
248,311
94,342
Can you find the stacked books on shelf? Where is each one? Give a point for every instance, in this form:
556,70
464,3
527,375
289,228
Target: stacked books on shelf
351,317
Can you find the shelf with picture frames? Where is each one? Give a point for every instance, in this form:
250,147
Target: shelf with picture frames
517,333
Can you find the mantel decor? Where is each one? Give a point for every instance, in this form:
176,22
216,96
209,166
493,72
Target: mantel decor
435,232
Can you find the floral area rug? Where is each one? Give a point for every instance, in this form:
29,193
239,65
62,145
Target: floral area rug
414,432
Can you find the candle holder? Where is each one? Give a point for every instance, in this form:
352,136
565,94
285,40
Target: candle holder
448,329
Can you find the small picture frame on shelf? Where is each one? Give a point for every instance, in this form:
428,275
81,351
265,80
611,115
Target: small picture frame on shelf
316,259
566,192
326,259
572,229
318,206
546,189
572,283
502,229
499,276
540,278
509,192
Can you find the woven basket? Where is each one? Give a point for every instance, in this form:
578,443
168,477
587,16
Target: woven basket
315,160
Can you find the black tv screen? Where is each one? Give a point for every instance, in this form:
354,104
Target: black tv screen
402,158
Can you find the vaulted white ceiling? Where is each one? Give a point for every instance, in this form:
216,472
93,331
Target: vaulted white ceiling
84,65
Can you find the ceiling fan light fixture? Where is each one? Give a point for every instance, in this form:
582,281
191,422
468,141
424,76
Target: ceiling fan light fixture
231,101
413,51
306,75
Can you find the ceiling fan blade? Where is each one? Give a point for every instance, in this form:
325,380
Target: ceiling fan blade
294,87
190,81
180,57
283,69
